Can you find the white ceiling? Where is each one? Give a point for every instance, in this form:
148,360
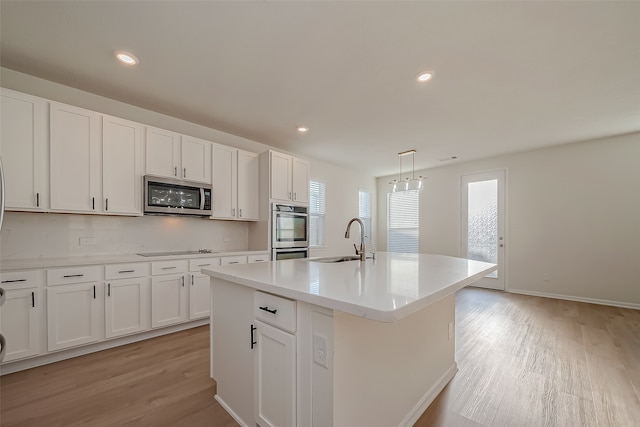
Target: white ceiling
509,76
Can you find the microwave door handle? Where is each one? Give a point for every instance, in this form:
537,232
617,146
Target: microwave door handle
201,198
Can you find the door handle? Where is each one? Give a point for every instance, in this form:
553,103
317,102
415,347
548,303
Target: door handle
253,343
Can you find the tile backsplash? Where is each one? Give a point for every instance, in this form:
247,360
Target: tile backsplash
40,235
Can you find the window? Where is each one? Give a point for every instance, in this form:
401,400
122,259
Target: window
402,221
364,212
316,212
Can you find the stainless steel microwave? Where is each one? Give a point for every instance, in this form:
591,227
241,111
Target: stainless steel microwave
176,197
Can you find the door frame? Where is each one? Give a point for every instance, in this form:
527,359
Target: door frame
502,175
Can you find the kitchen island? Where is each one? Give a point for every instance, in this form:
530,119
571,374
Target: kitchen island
309,343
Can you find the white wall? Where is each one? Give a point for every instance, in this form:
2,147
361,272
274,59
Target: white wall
573,214
35,235
342,204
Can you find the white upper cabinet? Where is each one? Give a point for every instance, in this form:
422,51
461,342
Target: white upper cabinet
289,178
248,185
174,156
235,184
163,152
122,166
280,168
224,198
75,151
300,180
24,151
196,159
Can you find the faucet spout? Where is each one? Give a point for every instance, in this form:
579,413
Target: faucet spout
361,250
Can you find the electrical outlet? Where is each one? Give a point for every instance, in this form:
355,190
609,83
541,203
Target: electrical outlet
320,350
545,277
226,239
451,331
87,241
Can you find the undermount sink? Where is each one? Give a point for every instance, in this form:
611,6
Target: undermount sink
334,259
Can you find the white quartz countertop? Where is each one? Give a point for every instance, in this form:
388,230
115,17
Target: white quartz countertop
35,263
386,289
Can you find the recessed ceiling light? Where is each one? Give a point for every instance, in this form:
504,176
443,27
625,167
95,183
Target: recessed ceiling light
303,129
126,57
425,76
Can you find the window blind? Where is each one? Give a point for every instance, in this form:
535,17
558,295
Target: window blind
364,212
317,202
403,221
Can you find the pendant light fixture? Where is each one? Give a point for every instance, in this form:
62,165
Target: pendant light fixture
407,184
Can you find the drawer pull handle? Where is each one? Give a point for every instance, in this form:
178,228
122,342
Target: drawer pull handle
266,308
169,268
233,262
126,271
203,265
67,276
14,281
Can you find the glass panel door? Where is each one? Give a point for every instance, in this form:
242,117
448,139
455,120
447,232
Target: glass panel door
483,218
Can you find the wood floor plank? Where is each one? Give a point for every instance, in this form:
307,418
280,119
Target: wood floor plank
522,361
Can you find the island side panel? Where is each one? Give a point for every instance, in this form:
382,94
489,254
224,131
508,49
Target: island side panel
387,374
231,353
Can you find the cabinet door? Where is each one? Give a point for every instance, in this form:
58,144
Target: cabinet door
300,180
20,319
24,151
162,152
248,185
122,169
75,159
168,300
126,306
275,377
280,176
73,315
196,159
199,296
224,182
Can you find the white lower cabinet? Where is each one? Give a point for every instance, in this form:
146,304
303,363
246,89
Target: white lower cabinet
21,314
20,319
127,306
74,315
168,292
168,296
199,295
253,354
274,377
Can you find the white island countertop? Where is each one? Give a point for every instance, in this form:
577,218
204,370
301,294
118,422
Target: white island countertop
386,289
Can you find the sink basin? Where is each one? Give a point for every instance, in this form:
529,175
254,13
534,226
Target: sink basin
334,259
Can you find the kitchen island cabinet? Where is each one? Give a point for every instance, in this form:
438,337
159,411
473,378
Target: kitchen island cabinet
368,343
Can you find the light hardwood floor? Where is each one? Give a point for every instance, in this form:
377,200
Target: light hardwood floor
523,361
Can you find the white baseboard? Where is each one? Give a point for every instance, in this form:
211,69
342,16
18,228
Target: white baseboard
230,411
45,359
577,299
431,394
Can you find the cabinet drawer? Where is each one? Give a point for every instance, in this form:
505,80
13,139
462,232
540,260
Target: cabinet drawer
277,311
70,275
200,263
123,271
169,267
257,258
227,260
21,279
